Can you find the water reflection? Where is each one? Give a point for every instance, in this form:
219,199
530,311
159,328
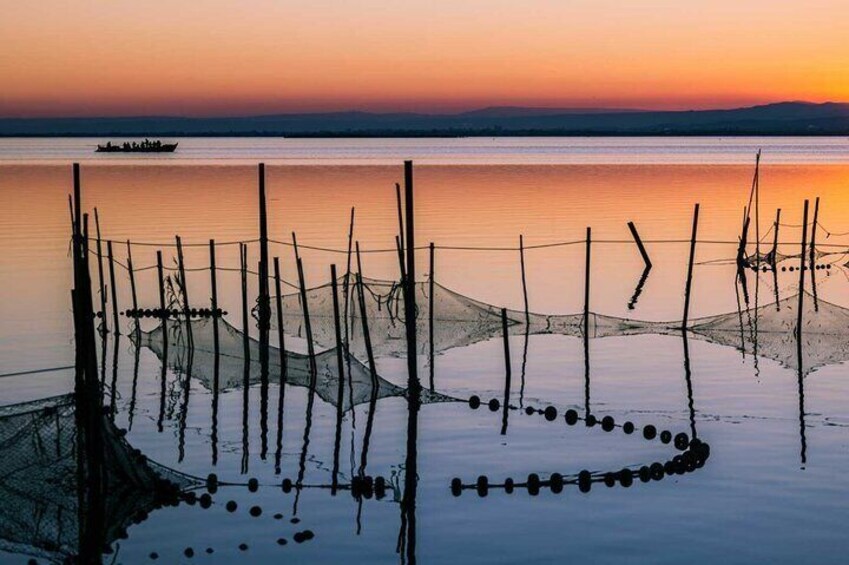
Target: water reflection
202,353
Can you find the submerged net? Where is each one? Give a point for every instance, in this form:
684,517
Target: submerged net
42,513
200,363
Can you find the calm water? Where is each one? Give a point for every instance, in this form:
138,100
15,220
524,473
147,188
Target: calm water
773,489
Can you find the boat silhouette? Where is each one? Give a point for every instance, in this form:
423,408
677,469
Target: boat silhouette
146,146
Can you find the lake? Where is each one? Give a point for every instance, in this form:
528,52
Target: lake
332,481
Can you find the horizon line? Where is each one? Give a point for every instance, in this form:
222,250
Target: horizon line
565,110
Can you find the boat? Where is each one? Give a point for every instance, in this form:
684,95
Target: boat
146,146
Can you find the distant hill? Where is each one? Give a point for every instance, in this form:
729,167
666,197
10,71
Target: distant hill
784,118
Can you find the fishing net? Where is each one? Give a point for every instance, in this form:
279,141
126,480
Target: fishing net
200,362
769,331
459,320
42,513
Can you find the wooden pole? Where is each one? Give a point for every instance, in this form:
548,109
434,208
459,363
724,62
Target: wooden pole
114,292
587,284
402,268
813,259
430,313
346,288
101,277
757,209
263,382
524,280
775,238
184,287
587,324
295,247
408,502
307,324
283,364
264,309
132,277
364,319
162,312
78,226
741,248
410,294
90,353
689,285
507,371
640,246
400,215
802,278
340,362
281,334
213,284
246,354
243,269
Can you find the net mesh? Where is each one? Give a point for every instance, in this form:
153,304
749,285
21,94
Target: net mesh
770,331
459,320
767,331
200,362
41,511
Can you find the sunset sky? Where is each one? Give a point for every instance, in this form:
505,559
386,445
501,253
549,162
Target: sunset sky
227,57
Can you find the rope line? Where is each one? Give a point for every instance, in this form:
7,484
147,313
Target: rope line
191,269
468,247
36,371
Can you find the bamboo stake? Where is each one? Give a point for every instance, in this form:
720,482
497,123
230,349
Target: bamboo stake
280,333
364,320
775,238
640,246
400,215
264,310
402,268
587,325
408,502
243,269
814,233
587,284
101,278
340,361
430,312
132,278
410,294
113,290
307,323
184,287
757,209
283,365
77,201
162,312
689,285
346,288
524,280
802,278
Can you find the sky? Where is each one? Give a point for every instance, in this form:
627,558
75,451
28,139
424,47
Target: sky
249,57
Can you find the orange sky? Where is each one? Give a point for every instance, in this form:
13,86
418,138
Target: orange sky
227,57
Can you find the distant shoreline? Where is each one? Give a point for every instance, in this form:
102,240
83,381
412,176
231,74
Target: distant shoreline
421,135
770,120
